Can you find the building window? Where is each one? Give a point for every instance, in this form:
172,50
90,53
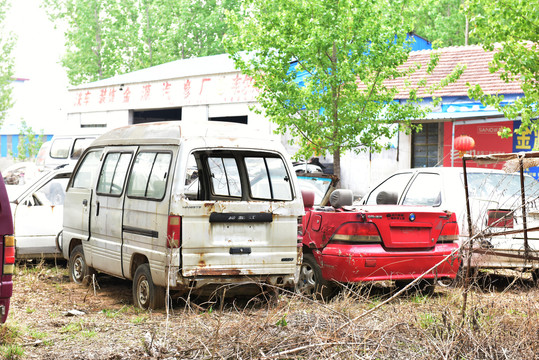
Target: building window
240,119
426,146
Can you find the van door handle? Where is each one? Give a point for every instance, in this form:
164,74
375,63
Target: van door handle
97,209
85,202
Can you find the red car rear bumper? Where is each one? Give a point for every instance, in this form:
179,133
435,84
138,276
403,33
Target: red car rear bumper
357,263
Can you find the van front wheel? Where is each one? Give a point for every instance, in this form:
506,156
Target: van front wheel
79,272
146,295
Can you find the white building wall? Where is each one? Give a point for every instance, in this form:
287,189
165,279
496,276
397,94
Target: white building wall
361,171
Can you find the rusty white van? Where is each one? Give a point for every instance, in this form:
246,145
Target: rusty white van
189,207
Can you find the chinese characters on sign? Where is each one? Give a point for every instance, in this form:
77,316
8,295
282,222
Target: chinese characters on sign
219,89
487,141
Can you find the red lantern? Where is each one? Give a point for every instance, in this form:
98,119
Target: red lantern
464,143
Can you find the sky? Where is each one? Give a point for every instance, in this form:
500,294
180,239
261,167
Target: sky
40,101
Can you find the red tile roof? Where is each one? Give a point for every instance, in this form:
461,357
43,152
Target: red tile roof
477,72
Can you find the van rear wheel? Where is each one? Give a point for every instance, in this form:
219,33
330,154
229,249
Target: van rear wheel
79,272
147,295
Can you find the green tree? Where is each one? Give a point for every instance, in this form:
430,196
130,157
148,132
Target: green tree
7,41
334,99
109,37
510,28
442,21
29,142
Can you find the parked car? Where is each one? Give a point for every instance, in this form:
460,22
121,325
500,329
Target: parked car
20,173
37,214
351,244
7,253
194,208
63,149
495,201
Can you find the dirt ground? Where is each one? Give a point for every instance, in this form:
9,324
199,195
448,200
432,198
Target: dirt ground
501,322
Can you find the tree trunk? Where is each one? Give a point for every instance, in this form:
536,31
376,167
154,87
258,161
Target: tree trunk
337,165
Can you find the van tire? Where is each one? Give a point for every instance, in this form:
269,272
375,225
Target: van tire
311,283
79,272
147,295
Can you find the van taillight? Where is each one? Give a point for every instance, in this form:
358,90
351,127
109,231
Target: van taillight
357,232
174,231
9,255
500,218
450,233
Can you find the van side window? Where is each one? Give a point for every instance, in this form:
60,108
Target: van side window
225,177
149,175
85,176
268,178
60,148
113,173
79,145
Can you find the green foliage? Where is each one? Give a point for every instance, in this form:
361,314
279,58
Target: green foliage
282,321
109,37
11,352
442,22
7,42
345,51
511,29
29,142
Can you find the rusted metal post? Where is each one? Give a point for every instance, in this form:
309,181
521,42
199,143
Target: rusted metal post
524,220
470,243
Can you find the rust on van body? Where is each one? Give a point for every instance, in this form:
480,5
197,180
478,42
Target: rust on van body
219,272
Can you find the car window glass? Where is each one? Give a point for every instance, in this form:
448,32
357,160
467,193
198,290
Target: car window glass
425,190
225,176
79,145
268,178
158,177
60,148
504,189
113,173
393,185
85,176
191,184
149,176
53,192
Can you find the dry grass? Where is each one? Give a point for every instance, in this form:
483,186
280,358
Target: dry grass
501,322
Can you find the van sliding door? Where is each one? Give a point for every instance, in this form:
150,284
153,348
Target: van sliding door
107,209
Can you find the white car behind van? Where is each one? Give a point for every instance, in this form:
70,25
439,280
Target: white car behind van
191,208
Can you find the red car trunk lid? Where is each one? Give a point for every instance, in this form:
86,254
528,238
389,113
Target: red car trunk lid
408,229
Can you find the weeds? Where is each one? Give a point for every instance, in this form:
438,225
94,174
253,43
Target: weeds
12,352
502,321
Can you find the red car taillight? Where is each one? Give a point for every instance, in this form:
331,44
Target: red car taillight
357,232
174,231
9,255
500,218
449,233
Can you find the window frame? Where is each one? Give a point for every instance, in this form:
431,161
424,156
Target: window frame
96,170
133,161
128,170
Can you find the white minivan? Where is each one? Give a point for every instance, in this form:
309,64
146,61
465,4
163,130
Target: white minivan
189,207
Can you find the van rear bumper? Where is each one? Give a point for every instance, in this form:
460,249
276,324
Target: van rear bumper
198,282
